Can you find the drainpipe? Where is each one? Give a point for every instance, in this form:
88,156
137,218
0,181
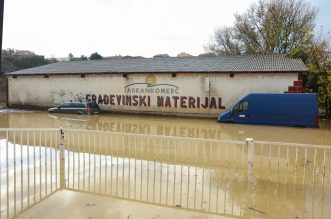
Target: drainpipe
209,101
207,88
7,91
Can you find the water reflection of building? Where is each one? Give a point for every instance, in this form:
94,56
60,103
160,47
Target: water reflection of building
169,126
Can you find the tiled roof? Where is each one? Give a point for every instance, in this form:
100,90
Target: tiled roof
221,64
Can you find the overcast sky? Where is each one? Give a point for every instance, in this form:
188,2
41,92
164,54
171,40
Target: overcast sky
55,28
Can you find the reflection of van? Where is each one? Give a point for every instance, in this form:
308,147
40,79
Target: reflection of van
274,109
76,121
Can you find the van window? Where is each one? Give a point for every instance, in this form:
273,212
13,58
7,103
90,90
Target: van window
65,105
78,105
243,106
72,105
93,105
236,109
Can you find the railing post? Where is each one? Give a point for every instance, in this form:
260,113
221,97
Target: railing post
62,161
250,153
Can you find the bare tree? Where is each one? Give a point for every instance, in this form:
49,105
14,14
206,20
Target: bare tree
224,42
270,26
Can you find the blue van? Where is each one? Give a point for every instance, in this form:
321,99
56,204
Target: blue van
300,110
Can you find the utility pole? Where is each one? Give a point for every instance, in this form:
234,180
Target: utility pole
1,29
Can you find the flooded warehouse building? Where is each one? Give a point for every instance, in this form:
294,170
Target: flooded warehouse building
192,86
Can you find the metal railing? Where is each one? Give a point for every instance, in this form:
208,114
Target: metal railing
214,176
29,170
160,170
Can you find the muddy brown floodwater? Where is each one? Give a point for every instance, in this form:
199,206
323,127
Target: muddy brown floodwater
130,166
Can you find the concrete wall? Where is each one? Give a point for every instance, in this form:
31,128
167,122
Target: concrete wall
183,94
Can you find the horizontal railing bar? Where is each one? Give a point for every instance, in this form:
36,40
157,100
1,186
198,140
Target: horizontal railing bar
293,144
29,129
155,203
169,137
157,136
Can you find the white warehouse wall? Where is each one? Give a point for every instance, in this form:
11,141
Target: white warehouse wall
158,93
